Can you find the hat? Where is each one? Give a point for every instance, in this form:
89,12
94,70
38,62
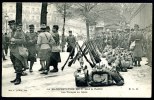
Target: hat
19,24
70,31
48,28
31,26
56,27
11,22
43,26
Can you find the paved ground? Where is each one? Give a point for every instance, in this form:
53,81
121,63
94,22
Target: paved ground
137,83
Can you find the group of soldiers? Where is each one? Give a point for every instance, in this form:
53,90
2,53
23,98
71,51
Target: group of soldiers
38,44
123,39
41,44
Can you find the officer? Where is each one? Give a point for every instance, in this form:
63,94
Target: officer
71,41
31,38
16,41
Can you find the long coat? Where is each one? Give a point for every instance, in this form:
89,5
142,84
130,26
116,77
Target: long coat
14,50
55,56
31,39
137,37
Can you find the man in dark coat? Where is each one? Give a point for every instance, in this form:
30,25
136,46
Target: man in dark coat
137,36
71,41
31,39
55,56
3,43
16,41
6,43
149,46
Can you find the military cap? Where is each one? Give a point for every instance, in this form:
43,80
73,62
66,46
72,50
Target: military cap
43,26
70,31
56,27
31,26
48,28
11,22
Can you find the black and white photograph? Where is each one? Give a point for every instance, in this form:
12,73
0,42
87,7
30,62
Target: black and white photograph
78,49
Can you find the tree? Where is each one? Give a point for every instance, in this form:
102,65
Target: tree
64,10
19,13
44,13
86,11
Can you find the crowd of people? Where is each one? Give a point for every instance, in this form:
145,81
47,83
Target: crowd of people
25,48
45,45
124,38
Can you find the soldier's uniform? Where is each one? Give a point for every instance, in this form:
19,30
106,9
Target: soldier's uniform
149,48
17,40
137,36
31,39
71,40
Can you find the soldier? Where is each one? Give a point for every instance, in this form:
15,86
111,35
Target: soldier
44,38
137,36
6,43
17,40
71,41
3,43
31,38
55,57
149,46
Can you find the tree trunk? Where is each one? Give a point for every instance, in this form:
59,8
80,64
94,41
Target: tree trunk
63,35
19,13
44,13
87,27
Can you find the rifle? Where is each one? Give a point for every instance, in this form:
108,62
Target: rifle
91,56
94,52
92,65
75,58
62,68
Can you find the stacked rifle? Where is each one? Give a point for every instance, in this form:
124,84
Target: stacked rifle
87,47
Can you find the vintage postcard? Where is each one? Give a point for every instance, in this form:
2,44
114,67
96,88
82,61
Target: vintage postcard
76,49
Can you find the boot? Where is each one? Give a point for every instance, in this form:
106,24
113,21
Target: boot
41,69
30,70
18,80
14,79
31,66
135,63
24,74
54,70
139,63
45,72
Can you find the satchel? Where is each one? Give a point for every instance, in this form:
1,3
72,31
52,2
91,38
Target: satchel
132,45
56,48
23,51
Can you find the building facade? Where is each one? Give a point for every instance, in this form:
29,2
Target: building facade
31,15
